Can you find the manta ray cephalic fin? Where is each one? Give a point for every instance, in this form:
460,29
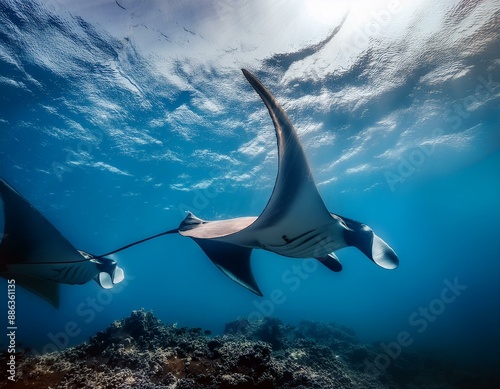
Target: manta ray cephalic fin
332,262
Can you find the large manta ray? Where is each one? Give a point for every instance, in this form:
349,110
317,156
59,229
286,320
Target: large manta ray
295,222
35,254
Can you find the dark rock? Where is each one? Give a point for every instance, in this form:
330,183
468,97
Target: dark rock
141,352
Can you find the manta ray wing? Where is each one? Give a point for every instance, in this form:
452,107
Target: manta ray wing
38,256
233,260
28,236
295,205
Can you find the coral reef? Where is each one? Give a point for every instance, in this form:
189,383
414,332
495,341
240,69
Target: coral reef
141,352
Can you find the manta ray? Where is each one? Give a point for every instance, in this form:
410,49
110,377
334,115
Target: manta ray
38,257
295,222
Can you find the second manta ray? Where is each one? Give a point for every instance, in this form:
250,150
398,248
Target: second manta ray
295,222
36,256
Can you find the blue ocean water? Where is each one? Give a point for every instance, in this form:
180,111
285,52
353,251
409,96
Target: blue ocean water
118,117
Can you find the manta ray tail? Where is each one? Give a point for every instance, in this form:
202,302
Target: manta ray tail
174,231
364,239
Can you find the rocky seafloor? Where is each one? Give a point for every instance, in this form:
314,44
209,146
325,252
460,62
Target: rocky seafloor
141,352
